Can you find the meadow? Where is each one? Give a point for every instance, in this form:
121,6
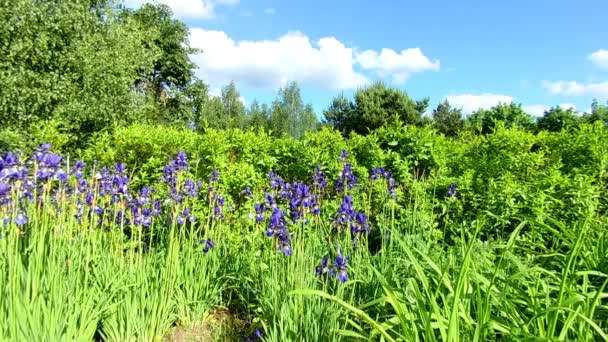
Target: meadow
400,235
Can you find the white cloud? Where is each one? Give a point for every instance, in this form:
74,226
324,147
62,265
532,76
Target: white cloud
599,58
568,106
400,65
271,63
202,9
270,11
536,110
326,63
470,103
574,88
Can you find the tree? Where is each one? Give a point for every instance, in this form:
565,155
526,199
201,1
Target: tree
74,61
447,119
308,121
341,114
599,112
512,115
234,110
556,119
258,115
211,115
421,106
373,107
377,105
289,115
172,70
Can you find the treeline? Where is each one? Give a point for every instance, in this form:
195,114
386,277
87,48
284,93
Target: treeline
80,67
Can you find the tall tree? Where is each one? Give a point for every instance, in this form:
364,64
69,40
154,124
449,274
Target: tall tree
421,107
374,106
258,115
72,60
167,38
309,121
289,114
447,119
211,114
556,119
341,114
234,109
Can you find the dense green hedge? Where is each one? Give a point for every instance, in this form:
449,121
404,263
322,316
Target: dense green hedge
508,176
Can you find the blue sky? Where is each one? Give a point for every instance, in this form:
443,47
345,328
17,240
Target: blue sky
474,53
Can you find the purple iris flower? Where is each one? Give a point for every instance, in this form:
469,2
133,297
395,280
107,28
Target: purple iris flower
21,219
207,245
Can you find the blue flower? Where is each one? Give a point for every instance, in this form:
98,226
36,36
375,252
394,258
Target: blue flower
347,178
215,176
119,168
144,196
247,192
343,156
323,268
180,161
275,181
191,188
259,212
5,189
21,219
79,169
157,207
452,191
345,214
284,242
318,179
341,267
207,245
256,336
361,224
382,173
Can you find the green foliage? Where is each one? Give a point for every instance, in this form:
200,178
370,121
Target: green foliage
167,38
341,114
411,152
143,148
599,113
556,119
510,115
447,119
258,116
374,106
234,109
61,59
289,116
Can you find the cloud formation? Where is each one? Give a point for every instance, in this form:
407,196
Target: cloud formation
471,103
326,63
574,88
398,65
599,58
